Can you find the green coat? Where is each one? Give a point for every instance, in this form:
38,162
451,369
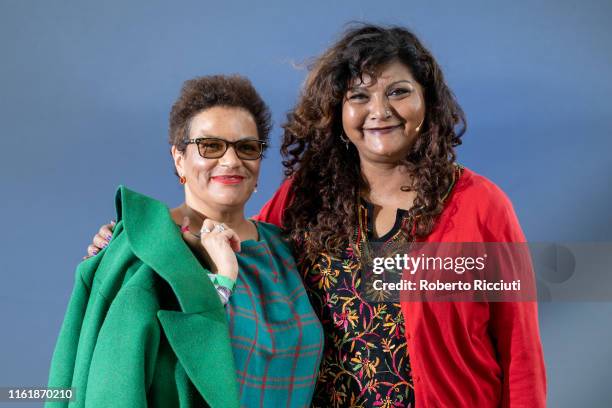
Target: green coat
144,326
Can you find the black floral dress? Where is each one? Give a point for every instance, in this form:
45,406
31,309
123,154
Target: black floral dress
365,359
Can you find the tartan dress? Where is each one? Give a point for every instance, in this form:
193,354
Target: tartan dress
277,339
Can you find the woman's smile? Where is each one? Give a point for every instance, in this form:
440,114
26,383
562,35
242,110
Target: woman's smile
382,130
228,179
225,181
381,115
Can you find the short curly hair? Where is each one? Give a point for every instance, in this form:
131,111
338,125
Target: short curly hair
201,93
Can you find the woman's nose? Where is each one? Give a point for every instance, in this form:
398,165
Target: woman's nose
229,158
379,107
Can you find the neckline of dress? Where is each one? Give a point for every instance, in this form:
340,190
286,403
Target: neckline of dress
400,214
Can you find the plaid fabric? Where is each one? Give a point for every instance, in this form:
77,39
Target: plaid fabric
277,339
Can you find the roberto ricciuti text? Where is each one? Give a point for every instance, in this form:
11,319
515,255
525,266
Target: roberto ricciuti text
437,285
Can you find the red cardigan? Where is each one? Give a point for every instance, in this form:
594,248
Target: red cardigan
468,354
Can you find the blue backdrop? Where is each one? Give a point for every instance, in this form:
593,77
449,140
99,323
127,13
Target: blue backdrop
86,88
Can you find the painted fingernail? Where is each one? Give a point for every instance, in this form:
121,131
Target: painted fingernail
184,229
109,237
95,252
104,245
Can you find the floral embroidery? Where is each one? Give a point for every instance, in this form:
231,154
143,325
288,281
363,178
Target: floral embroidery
365,360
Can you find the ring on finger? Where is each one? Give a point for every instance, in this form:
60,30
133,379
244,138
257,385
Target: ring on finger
220,227
204,230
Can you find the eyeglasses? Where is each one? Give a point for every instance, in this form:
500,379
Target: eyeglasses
214,148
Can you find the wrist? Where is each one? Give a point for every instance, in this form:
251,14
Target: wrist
227,272
223,280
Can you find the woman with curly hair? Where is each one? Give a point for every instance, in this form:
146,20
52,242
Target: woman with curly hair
370,159
374,134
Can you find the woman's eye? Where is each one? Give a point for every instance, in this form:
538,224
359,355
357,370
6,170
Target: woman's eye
247,147
399,91
357,97
212,145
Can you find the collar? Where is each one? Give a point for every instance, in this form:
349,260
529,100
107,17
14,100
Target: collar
154,238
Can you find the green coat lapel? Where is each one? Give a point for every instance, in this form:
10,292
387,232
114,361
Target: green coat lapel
202,344
156,240
199,332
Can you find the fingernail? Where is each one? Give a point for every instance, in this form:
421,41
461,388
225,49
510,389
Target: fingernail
184,229
109,237
113,222
104,245
95,252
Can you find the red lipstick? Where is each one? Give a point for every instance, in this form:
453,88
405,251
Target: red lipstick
228,179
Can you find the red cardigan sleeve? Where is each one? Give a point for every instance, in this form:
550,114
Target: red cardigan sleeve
514,326
272,211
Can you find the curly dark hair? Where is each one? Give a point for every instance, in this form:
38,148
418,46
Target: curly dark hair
318,161
205,92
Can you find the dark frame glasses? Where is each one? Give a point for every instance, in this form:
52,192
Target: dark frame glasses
215,147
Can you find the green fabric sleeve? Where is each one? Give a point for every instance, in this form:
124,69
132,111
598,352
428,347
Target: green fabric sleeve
65,355
123,362
220,280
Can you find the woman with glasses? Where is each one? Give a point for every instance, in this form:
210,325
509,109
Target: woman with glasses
218,319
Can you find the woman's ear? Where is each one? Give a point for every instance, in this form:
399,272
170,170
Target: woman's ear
179,161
